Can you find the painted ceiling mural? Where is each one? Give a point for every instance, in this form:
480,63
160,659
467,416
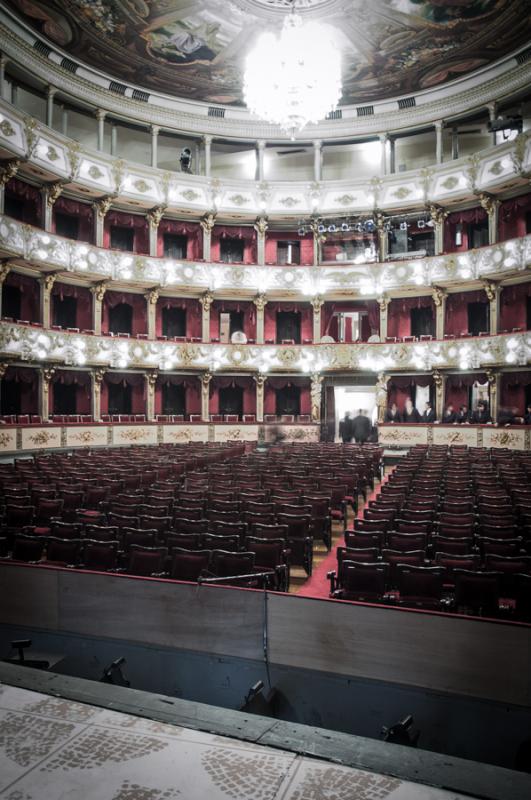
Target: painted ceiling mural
196,48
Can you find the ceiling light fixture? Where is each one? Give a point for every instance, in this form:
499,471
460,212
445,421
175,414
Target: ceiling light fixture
294,78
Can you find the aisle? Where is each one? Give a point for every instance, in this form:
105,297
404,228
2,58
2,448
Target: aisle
318,585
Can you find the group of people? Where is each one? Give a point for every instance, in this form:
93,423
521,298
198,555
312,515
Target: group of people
480,416
358,428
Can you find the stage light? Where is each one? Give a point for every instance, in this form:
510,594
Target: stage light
321,229
301,231
421,223
345,227
403,226
370,226
186,159
332,228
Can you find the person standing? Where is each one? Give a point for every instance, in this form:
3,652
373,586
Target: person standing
392,414
410,412
345,429
428,415
361,427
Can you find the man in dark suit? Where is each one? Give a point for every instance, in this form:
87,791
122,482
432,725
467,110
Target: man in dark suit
463,415
410,412
527,415
361,427
449,416
345,428
392,414
428,415
481,415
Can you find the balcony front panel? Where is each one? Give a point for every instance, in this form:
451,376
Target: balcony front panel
47,251
26,343
51,156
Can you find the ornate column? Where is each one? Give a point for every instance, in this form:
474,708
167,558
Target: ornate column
260,150
154,129
317,160
316,390
151,382
439,379
206,301
207,145
153,219
392,155
260,387
317,241
114,139
494,379
100,116
491,206
64,120
3,63
439,142
317,303
45,376
96,379
260,227
383,302
438,215
51,91
5,268
152,297
46,282
205,378
101,207
381,395
383,237
7,171
207,223
492,108
439,300
493,292
49,194
260,302
98,293
383,153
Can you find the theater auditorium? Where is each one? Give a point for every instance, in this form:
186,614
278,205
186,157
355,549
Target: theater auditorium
265,400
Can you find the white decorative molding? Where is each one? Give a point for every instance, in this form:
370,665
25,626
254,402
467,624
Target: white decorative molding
30,344
45,250
134,185
512,438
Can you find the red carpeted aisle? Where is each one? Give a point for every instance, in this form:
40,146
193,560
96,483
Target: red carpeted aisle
318,585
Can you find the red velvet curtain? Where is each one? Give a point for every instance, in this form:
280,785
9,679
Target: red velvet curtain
138,303
135,221
513,390
249,316
28,380
464,218
274,237
79,379
31,198
270,319
84,302
399,314
456,321
82,211
193,314
457,387
513,306
248,234
193,232
29,295
512,217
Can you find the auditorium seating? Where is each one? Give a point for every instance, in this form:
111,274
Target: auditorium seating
450,530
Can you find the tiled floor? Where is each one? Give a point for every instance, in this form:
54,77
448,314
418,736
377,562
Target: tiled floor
54,749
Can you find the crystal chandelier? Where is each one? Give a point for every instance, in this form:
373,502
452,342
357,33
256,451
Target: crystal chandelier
295,78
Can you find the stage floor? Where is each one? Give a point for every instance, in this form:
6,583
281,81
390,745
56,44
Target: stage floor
53,748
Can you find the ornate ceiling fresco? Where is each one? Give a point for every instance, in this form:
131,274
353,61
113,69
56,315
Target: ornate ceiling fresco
196,48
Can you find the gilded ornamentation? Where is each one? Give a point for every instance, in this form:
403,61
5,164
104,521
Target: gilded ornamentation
504,439
472,171
207,223
239,200
97,376
30,126
155,216
5,268
496,168
151,378
401,193
84,437
51,154
95,172
53,191
98,290
41,438
9,170
48,282
133,434
190,195
450,182
345,199
74,158
141,186
289,202
261,225
206,301
437,214
315,396
103,206
260,302
489,203
518,153
152,296
317,303
260,380
118,171
383,301
438,295
206,377
7,129
491,290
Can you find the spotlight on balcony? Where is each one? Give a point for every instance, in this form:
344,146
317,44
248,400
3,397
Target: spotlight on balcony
403,226
301,231
345,227
370,226
421,223
321,228
332,228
